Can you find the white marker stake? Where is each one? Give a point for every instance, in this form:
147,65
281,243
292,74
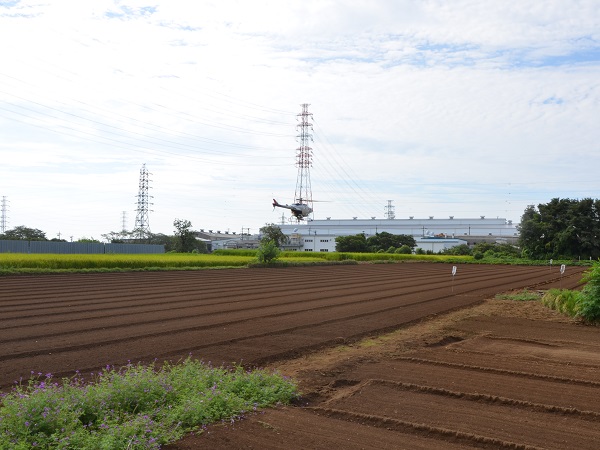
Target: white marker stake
453,273
562,270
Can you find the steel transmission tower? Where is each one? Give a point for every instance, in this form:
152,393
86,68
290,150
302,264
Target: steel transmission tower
4,217
389,210
142,222
304,157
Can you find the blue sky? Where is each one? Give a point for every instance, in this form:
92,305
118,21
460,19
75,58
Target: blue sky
447,108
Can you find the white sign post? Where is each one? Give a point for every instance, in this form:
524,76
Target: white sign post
453,273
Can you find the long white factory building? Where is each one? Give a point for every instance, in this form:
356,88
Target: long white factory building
430,234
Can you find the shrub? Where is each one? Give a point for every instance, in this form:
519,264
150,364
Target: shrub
569,302
268,252
404,250
589,308
136,407
462,249
563,300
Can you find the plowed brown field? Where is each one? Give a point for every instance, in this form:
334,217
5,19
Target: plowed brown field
496,375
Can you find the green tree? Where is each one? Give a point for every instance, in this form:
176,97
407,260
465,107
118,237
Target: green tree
496,250
561,228
117,237
462,249
271,232
169,242
532,233
385,240
355,243
24,233
268,251
88,240
185,241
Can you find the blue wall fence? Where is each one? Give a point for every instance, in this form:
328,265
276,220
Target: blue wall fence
77,247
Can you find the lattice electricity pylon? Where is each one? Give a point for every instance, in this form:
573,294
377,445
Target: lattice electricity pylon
304,155
142,221
389,210
4,217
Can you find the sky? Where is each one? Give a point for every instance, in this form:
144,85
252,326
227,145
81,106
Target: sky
462,108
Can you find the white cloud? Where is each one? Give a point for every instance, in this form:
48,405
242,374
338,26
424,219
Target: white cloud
461,108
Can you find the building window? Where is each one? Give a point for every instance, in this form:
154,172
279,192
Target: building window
308,249
324,240
308,240
324,250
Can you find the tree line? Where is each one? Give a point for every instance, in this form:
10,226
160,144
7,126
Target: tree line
561,228
183,240
378,243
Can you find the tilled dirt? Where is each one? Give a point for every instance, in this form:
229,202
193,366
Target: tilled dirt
387,356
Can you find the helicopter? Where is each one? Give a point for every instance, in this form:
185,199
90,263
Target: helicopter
299,210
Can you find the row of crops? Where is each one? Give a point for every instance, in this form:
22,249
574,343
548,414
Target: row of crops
31,263
19,262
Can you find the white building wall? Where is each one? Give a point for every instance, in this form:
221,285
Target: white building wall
319,235
414,227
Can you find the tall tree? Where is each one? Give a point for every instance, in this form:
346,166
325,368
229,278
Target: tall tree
117,237
170,242
271,232
384,240
185,239
561,228
24,233
354,243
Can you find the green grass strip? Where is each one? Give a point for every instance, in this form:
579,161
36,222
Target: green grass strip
19,261
133,407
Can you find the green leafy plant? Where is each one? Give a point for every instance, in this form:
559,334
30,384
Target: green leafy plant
563,300
268,252
589,308
133,407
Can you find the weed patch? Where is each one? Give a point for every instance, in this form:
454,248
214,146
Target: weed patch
134,407
522,296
